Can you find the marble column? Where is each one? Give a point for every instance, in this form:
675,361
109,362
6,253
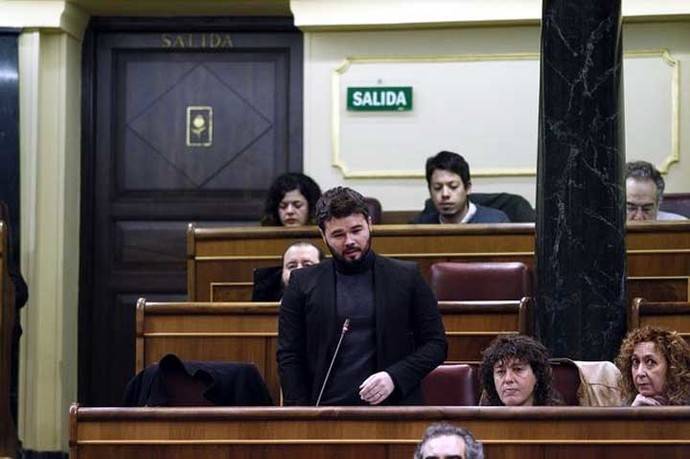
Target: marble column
580,243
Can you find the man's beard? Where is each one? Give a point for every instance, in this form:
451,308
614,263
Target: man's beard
347,262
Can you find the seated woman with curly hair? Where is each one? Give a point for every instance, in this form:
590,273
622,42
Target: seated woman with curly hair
515,371
655,367
291,200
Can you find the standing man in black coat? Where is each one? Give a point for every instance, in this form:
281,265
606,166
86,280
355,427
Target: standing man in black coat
395,336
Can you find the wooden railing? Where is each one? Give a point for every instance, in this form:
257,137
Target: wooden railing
379,433
220,261
671,315
248,332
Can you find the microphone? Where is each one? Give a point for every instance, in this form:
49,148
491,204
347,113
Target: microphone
346,327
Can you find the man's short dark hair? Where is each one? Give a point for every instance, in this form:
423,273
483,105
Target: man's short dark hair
302,243
525,349
451,162
642,170
340,202
473,448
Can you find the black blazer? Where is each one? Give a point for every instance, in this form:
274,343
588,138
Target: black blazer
410,339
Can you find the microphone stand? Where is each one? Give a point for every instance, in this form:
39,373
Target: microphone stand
346,326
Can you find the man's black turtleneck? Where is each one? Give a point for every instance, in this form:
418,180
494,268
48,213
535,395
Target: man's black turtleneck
354,293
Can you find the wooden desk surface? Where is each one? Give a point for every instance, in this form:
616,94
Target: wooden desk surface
109,433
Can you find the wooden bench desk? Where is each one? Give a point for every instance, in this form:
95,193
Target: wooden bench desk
671,315
220,261
248,332
375,433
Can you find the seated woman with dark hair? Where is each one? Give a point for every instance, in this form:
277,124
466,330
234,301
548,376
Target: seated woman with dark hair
515,371
291,200
655,367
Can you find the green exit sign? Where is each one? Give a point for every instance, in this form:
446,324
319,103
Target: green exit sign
380,99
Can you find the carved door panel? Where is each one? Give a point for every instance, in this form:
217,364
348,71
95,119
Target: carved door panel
179,127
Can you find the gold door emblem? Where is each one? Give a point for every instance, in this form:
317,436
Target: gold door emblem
199,126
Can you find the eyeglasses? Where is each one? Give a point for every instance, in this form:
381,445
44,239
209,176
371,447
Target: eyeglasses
643,208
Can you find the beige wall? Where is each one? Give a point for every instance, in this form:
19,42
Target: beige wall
674,36
342,148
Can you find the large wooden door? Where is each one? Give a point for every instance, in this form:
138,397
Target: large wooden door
180,124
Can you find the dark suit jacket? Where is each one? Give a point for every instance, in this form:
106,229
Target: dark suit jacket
410,339
268,284
228,383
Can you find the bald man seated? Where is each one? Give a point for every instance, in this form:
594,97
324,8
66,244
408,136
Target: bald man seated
269,283
299,255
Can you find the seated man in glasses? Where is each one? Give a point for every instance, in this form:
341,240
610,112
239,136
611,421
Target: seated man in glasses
644,188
